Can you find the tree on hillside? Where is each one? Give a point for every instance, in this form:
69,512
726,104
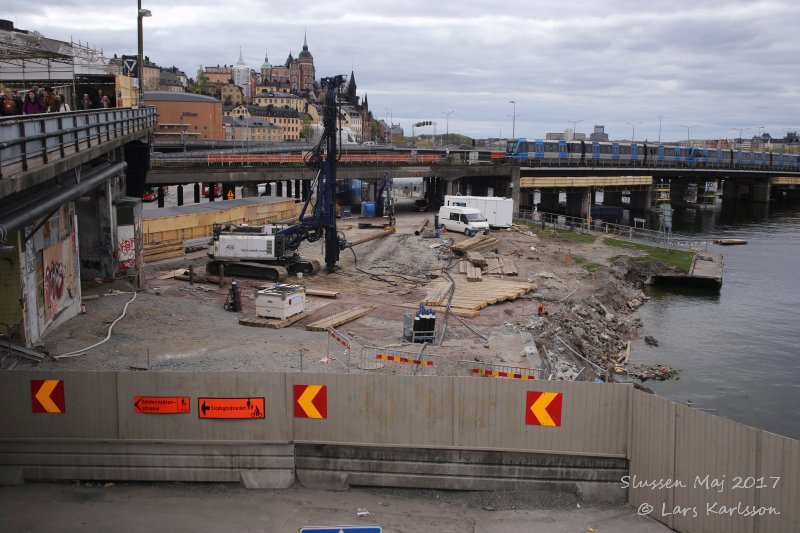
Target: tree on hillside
202,79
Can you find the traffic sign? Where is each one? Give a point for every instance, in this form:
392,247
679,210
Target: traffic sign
231,194
342,529
161,405
543,409
230,407
310,401
47,396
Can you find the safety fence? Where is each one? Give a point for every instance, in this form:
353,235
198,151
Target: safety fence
30,141
560,222
481,369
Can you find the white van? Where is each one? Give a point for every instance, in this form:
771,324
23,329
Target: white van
466,220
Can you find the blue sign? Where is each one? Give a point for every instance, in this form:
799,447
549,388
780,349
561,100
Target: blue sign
341,529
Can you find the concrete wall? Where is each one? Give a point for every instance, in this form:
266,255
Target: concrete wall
447,432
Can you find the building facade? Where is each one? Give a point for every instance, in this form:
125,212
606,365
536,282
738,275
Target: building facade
187,115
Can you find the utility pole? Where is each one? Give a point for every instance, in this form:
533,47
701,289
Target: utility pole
139,15
574,126
688,129
447,134
513,119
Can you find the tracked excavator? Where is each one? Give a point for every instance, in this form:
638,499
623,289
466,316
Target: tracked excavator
270,251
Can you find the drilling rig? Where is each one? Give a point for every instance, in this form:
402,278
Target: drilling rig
270,251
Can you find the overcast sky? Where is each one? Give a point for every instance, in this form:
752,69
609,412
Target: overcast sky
714,66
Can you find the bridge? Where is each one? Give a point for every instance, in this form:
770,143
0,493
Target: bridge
66,211
748,176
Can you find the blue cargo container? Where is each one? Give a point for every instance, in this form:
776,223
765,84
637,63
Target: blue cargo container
367,209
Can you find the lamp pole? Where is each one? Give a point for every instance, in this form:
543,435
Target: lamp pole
391,120
574,126
447,125
688,129
659,129
513,119
141,13
633,129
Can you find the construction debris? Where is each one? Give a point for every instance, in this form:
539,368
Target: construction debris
475,297
478,243
164,250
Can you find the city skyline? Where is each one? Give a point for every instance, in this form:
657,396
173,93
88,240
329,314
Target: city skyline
720,70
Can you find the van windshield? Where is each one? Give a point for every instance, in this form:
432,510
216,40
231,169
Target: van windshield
475,217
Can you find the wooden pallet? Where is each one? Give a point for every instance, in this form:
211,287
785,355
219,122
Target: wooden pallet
501,265
275,323
476,296
474,272
338,319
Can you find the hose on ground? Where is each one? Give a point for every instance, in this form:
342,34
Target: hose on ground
108,335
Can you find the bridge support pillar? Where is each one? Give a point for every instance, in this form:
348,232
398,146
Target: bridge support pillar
548,201
289,187
516,193
268,189
306,189
249,190
296,187
677,192
640,200
759,192
578,203
180,195
612,198
278,188
160,195
197,193
210,192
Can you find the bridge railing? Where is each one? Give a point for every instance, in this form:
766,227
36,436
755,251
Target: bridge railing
29,141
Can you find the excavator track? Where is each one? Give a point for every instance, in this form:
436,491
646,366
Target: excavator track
249,270
306,267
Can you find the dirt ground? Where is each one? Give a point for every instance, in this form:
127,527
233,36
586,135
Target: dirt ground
174,326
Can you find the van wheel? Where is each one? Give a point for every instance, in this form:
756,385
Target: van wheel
468,233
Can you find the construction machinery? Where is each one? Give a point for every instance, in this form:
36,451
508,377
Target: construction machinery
270,251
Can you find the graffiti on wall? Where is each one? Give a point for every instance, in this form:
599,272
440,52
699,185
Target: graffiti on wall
126,248
57,278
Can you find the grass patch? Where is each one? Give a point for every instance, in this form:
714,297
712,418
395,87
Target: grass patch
679,259
591,267
578,260
566,235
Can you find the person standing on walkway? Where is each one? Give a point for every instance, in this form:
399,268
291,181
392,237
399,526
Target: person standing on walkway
32,105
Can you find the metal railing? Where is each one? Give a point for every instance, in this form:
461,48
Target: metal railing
30,141
583,225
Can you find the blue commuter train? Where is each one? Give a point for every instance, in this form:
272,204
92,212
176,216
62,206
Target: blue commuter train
587,153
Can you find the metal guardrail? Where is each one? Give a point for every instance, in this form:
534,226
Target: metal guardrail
468,368
30,141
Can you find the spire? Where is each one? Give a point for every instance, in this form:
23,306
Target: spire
266,65
305,39
240,55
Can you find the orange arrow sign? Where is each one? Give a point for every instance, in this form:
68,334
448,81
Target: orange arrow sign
310,401
230,407
543,409
161,405
47,396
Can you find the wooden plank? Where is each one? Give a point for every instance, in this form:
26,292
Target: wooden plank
165,255
509,268
322,293
473,272
174,274
338,319
274,323
476,258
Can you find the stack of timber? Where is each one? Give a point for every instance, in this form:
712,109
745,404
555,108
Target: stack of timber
164,250
338,319
469,298
478,243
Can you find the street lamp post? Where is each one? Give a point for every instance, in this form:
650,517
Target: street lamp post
141,13
447,125
688,130
574,126
633,129
391,121
513,119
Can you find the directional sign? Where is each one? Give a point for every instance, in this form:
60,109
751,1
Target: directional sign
161,405
543,409
230,407
129,66
342,529
310,401
47,396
